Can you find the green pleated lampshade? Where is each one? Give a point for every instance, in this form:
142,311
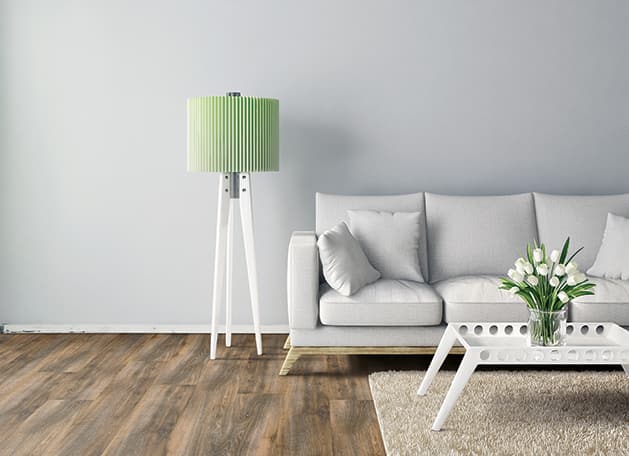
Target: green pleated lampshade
233,134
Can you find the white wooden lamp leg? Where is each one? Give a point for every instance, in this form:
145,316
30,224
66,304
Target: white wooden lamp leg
246,214
222,220
229,266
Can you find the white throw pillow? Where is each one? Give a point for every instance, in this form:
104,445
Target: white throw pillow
612,261
345,266
391,242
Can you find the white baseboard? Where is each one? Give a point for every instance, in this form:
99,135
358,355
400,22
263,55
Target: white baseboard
175,329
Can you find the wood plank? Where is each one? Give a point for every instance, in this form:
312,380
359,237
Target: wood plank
14,344
38,432
18,400
7,358
205,426
90,381
35,352
260,376
157,347
346,377
94,428
254,426
186,362
304,418
77,355
356,419
118,353
148,428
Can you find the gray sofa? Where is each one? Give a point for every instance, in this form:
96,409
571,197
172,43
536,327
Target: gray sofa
468,242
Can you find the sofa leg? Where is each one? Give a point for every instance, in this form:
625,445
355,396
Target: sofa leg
287,343
291,357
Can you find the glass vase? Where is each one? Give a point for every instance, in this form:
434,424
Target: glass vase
547,329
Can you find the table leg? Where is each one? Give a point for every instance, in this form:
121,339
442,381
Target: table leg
626,368
446,343
463,374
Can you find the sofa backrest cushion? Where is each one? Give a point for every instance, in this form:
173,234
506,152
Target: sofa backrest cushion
582,218
332,209
470,235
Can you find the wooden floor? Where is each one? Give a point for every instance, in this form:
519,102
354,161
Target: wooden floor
160,394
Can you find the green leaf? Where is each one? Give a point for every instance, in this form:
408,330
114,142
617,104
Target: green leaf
573,255
507,282
529,253
564,251
529,301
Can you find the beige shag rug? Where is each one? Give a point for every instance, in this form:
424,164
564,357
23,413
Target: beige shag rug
506,413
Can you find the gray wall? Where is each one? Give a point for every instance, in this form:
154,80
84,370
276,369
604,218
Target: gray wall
102,224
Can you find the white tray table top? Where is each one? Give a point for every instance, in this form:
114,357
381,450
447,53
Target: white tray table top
506,343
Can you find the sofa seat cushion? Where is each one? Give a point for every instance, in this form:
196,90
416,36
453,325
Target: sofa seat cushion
610,303
477,298
385,302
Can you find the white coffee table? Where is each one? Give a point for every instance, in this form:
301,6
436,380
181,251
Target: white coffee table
505,344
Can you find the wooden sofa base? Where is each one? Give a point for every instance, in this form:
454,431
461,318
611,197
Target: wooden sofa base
294,353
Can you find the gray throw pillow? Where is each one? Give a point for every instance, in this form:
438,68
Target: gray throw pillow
612,261
391,242
345,266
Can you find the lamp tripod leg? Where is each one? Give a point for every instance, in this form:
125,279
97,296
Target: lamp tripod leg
229,266
246,213
222,221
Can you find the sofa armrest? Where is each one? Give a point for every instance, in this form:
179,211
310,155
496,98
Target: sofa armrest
303,280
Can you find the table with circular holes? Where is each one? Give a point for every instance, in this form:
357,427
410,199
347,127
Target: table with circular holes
506,344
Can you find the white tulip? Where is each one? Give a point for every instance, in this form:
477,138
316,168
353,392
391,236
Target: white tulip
520,261
538,255
515,275
571,268
563,297
576,278
520,268
542,269
554,256
581,277
560,270
528,268
532,280
513,290
554,281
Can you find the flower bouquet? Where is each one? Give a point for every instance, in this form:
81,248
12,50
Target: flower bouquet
546,283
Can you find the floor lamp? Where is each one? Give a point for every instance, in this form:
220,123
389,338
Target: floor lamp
234,136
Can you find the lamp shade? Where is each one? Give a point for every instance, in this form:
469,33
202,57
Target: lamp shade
233,134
